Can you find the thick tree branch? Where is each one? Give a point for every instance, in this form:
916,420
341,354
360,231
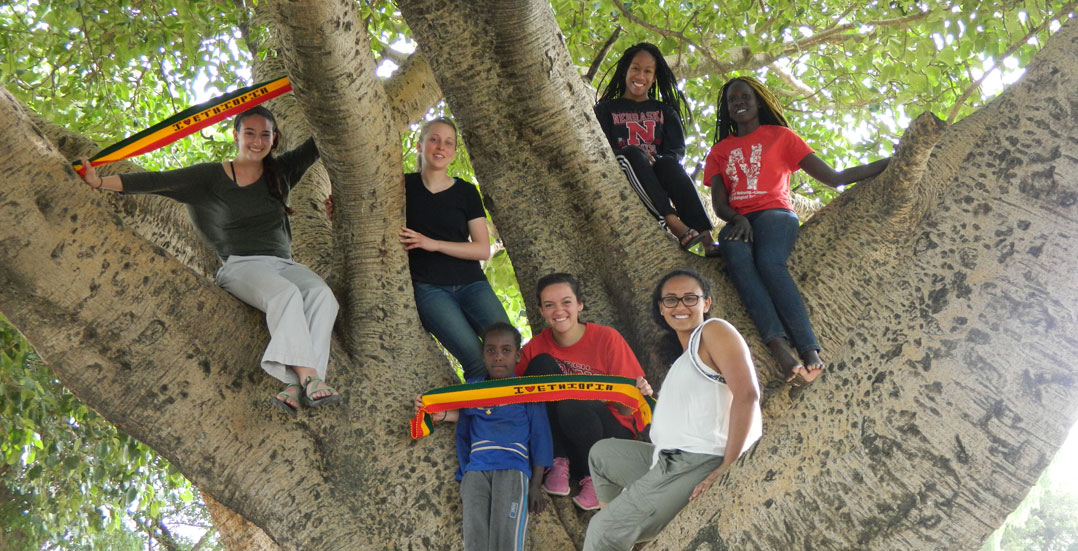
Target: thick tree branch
412,91
327,55
159,220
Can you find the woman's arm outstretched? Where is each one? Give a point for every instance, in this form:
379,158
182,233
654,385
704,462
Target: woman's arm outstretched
90,177
820,170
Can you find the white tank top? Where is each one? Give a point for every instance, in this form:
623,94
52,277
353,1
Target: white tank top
693,410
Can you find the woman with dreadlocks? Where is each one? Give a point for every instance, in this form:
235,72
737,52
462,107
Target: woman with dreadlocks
241,208
648,141
748,170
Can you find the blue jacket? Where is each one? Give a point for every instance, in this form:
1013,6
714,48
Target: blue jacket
514,436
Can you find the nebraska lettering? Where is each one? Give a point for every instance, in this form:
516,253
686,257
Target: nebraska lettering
626,118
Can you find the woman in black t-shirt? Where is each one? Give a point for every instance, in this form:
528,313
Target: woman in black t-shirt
648,141
446,237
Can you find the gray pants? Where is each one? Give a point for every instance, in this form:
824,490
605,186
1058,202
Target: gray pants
641,499
299,306
495,510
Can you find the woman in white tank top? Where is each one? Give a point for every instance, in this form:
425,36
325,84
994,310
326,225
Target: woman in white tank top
707,415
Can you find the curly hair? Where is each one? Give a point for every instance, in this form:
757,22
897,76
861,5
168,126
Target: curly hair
665,85
770,112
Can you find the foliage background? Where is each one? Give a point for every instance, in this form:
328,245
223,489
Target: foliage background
850,76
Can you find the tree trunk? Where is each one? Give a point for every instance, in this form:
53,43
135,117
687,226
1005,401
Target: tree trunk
236,533
549,178
924,432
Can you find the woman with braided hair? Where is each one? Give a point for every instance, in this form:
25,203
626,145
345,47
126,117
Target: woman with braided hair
748,170
648,141
241,208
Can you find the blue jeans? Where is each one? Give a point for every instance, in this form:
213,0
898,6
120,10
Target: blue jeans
759,273
455,315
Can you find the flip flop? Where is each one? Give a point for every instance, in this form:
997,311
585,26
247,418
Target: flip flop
799,380
313,403
712,251
281,404
798,373
690,238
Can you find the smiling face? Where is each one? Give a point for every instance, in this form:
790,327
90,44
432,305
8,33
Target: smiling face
437,146
743,104
640,76
254,138
560,307
500,354
683,318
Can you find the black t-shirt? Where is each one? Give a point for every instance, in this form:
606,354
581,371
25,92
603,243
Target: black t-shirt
443,216
650,125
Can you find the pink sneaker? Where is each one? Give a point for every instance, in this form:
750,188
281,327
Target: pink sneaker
586,499
556,481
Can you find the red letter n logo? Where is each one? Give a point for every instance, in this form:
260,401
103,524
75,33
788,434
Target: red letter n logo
641,132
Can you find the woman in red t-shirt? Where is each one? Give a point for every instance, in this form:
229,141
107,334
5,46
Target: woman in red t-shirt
748,171
570,346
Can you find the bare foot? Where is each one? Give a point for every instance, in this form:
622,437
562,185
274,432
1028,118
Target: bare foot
813,365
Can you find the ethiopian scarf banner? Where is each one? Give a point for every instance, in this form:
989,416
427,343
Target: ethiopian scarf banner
188,122
539,388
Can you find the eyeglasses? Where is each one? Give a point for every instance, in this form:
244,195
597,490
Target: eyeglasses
687,300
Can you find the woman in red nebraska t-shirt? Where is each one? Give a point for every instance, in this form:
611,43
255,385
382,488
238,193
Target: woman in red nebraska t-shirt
570,346
749,174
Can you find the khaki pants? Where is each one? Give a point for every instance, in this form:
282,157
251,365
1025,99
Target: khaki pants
641,499
300,310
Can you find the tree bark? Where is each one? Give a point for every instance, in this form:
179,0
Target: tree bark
237,534
926,429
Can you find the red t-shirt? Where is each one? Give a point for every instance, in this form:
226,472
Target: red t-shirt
601,351
756,168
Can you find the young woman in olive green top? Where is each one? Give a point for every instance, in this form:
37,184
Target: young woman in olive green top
240,207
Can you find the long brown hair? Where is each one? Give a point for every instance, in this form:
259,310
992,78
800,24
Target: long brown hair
276,187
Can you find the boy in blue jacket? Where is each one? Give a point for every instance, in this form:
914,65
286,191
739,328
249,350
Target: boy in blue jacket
502,451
